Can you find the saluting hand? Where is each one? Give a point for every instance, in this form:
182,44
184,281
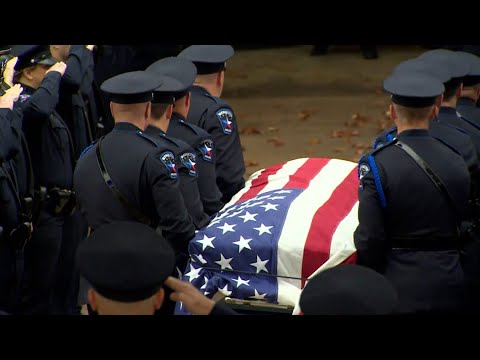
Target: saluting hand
59,67
9,71
10,96
193,300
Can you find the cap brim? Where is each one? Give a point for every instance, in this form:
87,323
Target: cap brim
48,61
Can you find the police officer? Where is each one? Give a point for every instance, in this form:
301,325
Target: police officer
215,116
51,149
128,176
411,236
128,264
184,71
162,108
348,290
450,135
14,232
467,103
71,106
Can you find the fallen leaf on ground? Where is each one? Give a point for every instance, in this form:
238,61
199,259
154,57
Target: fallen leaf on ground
276,141
251,131
249,163
273,129
336,134
315,141
304,115
339,150
355,133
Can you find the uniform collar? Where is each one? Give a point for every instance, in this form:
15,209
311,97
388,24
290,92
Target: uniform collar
199,89
126,126
466,102
414,133
177,116
153,130
446,110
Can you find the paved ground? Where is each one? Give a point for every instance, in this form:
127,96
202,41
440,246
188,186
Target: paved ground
291,105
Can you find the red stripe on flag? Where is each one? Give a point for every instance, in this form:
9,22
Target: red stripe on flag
305,174
259,183
325,223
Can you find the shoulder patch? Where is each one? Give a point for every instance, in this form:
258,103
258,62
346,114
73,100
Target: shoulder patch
190,161
206,148
363,170
24,97
225,116
168,159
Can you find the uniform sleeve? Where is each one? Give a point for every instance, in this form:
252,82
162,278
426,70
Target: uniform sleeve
44,100
187,171
174,219
230,167
9,136
76,67
210,194
369,236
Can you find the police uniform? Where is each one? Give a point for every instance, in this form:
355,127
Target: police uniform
10,218
52,154
466,107
184,71
408,228
125,261
216,117
441,127
348,290
138,180
71,106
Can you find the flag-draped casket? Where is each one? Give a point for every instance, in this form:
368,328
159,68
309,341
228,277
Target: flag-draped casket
290,221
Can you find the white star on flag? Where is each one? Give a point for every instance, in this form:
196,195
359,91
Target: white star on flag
263,229
204,286
224,263
277,198
262,197
270,207
226,228
235,214
206,242
241,282
243,244
225,291
201,259
194,273
258,296
248,217
260,265
283,192
255,204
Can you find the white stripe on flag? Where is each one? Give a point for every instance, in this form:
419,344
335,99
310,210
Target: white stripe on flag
300,215
247,187
282,177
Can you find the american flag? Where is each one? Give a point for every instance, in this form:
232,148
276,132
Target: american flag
289,222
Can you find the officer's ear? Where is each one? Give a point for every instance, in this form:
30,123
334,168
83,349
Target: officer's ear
220,79
169,112
459,91
148,110
28,72
188,97
92,299
158,299
393,114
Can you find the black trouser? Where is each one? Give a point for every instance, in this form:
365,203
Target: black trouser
7,276
41,262
66,288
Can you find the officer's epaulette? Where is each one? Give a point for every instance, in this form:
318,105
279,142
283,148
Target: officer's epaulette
214,98
468,121
388,135
146,137
454,127
377,150
189,126
87,149
448,145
